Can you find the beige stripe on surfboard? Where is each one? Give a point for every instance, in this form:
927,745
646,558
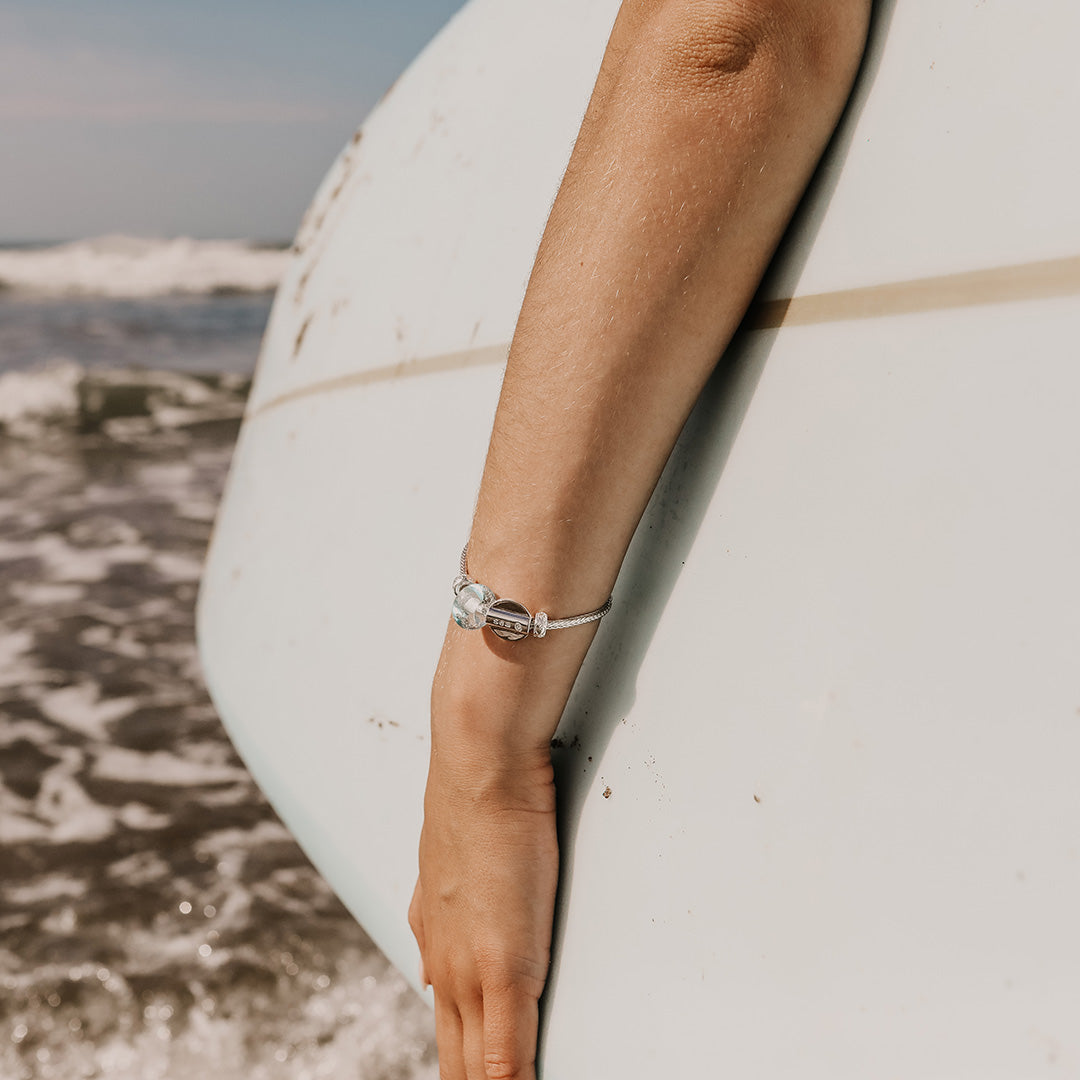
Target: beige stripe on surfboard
425,365
999,285
1044,280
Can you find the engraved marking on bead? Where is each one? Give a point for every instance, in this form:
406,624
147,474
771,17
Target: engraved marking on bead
509,620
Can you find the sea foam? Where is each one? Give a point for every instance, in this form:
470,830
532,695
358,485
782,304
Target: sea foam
129,266
65,396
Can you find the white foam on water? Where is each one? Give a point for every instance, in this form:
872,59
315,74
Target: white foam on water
196,509
14,646
371,1019
161,767
33,731
53,886
217,844
171,477
140,867
81,708
30,399
60,921
139,816
174,567
16,828
67,563
44,594
122,642
128,403
130,266
17,824
102,530
62,804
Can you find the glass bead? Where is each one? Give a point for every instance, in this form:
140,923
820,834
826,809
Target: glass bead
471,606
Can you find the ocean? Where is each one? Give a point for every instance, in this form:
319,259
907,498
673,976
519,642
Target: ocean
157,920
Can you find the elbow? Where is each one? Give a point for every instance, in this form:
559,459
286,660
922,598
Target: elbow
812,45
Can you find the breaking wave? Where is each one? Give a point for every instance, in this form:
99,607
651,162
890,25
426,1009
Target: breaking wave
130,266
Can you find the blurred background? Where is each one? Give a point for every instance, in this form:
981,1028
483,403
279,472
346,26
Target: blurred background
156,918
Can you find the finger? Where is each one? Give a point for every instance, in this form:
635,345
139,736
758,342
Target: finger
448,1037
472,1041
416,915
416,924
511,1028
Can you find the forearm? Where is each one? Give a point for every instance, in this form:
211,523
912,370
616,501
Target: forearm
706,123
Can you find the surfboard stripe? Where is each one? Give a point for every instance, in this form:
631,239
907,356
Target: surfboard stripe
1045,280
1003,284
422,365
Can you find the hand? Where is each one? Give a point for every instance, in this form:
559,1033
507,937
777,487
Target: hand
483,907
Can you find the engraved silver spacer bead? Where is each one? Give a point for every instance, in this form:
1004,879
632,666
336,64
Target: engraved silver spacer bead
540,621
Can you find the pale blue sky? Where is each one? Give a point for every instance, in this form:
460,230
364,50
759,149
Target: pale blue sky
196,117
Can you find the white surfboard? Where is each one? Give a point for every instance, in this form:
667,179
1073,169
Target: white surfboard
820,776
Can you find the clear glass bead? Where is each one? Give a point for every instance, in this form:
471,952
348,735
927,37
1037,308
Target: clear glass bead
471,606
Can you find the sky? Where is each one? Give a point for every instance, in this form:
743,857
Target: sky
206,118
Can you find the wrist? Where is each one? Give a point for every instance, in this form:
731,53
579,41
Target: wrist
503,698
472,776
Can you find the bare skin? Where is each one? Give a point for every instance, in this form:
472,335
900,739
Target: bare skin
706,123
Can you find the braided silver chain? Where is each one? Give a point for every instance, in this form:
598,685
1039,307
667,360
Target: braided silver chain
540,622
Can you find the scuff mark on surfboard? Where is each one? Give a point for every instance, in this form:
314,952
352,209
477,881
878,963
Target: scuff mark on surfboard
559,743
312,225
312,222
380,724
300,336
301,282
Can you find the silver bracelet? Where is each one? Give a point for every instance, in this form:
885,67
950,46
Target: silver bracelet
476,606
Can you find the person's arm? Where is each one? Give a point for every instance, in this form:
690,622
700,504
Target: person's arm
706,123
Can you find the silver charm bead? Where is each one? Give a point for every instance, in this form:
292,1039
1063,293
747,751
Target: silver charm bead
509,620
